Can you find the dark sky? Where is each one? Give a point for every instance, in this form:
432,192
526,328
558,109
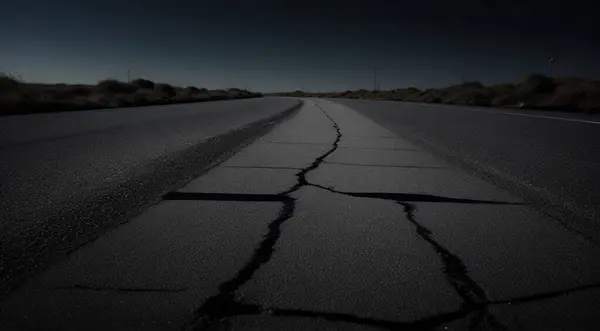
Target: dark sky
271,45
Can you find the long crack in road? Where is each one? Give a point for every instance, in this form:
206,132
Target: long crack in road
383,236
215,311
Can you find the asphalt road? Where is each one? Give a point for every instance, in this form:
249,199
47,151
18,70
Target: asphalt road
68,177
549,158
334,219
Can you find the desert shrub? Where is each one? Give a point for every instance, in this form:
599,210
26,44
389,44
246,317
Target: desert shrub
501,89
218,92
430,95
533,92
504,100
473,84
566,98
165,90
407,94
536,84
79,90
573,94
125,100
100,99
8,83
140,99
192,90
481,97
67,92
114,86
141,83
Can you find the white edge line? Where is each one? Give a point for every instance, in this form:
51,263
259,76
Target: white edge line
530,115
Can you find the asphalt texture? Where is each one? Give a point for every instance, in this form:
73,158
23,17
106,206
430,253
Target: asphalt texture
328,221
549,158
69,177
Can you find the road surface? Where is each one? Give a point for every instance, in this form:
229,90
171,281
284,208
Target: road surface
550,159
68,177
329,221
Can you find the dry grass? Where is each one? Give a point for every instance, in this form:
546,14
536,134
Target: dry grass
24,98
535,92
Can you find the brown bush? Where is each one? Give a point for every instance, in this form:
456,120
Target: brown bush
21,98
8,83
192,90
529,93
141,83
67,92
536,91
165,90
114,87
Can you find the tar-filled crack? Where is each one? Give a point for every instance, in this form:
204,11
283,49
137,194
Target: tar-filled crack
224,304
214,311
301,175
381,149
454,268
385,165
472,295
296,143
411,197
426,323
457,275
260,167
480,310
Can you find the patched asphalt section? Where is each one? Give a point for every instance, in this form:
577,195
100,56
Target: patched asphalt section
34,242
224,304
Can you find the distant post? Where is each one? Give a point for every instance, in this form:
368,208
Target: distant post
550,61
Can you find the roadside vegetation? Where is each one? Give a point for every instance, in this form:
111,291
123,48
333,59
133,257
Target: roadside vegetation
17,97
535,92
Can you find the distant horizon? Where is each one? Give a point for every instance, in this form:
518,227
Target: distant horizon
305,90
270,46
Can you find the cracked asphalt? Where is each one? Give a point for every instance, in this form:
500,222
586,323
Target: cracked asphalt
329,221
